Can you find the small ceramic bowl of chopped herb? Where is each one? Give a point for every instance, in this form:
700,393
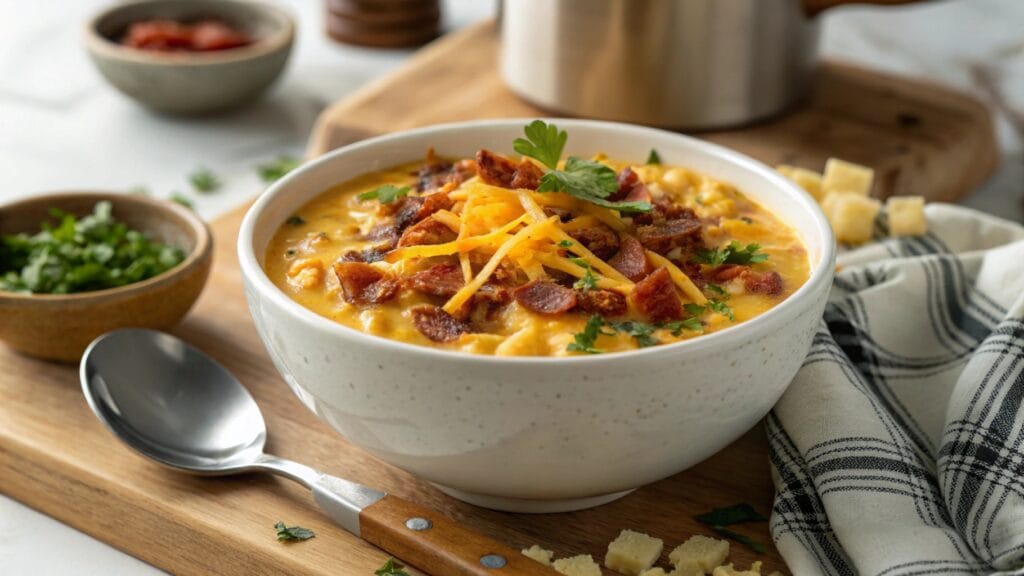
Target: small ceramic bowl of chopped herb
76,265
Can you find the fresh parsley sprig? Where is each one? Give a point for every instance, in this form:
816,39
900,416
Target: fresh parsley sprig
734,253
385,194
275,169
719,518
722,308
588,281
292,533
204,181
584,179
391,568
543,141
653,157
642,332
584,341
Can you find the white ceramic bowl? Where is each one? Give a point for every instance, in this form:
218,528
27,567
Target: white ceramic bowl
538,434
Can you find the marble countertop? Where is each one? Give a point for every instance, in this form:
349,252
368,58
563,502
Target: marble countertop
62,127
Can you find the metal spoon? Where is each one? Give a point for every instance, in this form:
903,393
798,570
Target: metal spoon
176,405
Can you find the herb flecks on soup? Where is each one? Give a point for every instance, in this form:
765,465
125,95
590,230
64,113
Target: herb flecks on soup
536,255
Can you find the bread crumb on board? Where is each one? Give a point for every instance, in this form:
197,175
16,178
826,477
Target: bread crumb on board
539,554
582,565
844,194
728,570
632,552
699,553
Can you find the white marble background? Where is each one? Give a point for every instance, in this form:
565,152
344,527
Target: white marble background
62,128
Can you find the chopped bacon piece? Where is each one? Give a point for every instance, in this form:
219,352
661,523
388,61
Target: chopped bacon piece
158,35
494,169
544,297
412,209
436,172
213,35
685,233
372,254
631,188
726,272
438,325
482,306
386,232
563,214
438,280
364,284
603,302
429,231
599,239
527,175
656,297
769,283
663,209
631,260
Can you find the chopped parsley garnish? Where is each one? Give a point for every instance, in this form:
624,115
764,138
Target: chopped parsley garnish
385,194
640,332
588,281
584,341
204,181
676,328
584,179
734,253
722,308
139,190
295,220
693,309
565,244
716,289
292,533
719,518
94,252
274,170
653,157
545,143
391,568
179,198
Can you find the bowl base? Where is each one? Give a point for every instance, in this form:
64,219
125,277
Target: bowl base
528,505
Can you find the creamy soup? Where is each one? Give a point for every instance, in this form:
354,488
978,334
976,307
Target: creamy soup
535,255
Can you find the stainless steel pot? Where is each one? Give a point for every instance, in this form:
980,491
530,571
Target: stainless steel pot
693,64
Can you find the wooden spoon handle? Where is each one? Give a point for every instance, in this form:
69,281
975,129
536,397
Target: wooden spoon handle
812,7
439,545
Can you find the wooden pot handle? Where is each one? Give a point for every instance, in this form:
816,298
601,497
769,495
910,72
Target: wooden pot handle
439,545
813,7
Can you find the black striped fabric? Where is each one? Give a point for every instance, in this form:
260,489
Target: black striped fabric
898,449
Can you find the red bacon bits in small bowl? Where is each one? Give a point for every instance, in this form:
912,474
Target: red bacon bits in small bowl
171,36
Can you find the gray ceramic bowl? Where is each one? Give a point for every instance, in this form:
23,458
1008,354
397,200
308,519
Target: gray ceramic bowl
192,82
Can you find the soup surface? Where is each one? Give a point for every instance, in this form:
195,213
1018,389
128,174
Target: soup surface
536,256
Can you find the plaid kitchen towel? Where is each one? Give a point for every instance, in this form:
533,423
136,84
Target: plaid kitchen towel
899,447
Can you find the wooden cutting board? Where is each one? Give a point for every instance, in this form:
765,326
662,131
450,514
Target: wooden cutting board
55,456
920,138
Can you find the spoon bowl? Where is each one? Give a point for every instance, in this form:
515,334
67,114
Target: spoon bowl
172,403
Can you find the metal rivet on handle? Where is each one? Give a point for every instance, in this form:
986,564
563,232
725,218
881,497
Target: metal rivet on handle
493,561
418,524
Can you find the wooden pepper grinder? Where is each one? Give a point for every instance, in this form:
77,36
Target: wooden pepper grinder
383,23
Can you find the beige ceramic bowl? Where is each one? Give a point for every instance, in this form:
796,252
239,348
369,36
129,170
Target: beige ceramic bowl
59,327
192,82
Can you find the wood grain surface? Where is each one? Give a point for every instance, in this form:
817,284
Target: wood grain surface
56,457
920,138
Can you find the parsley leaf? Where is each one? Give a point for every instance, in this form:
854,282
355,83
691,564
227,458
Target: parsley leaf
742,539
716,289
391,568
295,220
727,515
292,533
564,244
641,332
588,281
545,143
734,253
677,327
694,309
179,198
385,194
653,157
584,341
204,181
589,181
722,308
139,190
274,170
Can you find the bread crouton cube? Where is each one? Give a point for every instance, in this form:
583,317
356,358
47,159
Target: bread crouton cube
906,215
632,552
809,180
539,554
699,553
582,565
843,176
728,570
852,216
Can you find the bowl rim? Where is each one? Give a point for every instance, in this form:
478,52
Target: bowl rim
819,280
202,251
280,38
